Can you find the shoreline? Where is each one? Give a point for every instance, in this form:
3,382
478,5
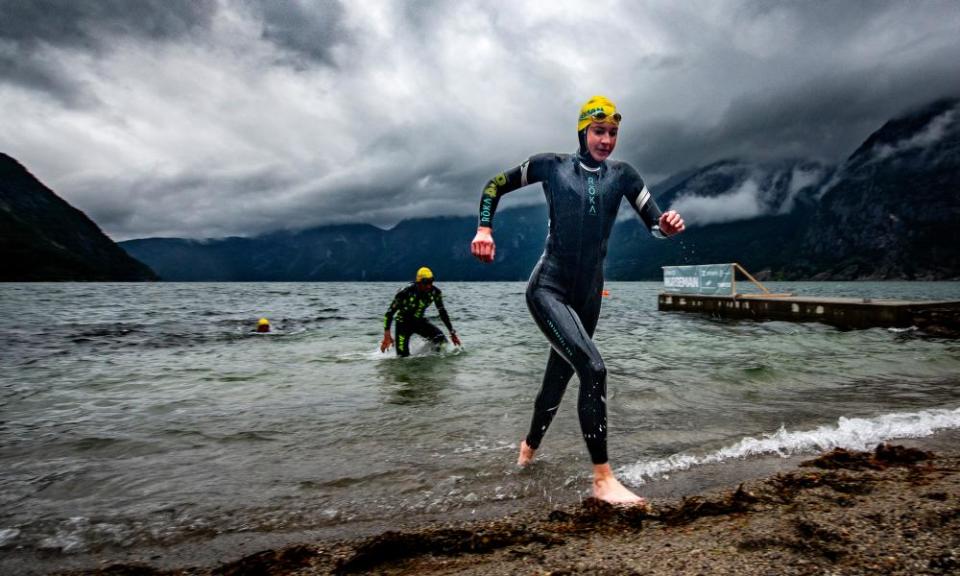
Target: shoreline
892,512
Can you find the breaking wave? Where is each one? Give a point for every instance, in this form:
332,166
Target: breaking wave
849,433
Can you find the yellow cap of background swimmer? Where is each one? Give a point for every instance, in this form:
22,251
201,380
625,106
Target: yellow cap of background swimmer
263,322
424,274
598,109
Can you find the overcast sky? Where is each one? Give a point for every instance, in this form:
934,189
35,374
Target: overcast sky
206,118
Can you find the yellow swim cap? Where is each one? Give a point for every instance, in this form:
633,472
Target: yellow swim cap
263,322
424,274
598,109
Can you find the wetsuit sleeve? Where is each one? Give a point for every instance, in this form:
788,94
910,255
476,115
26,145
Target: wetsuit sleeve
643,203
438,300
530,172
392,310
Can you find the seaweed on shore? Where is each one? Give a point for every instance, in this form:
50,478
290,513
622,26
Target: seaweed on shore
696,507
884,456
785,487
533,539
392,546
131,569
593,514
270,562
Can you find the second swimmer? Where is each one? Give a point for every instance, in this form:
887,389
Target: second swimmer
408,306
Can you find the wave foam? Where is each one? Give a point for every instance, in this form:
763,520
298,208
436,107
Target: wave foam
849,433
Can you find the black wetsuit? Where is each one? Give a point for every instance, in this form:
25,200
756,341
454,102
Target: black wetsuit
564,291
408,306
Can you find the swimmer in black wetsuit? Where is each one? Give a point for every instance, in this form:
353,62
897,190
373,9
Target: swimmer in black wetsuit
583,192
408,306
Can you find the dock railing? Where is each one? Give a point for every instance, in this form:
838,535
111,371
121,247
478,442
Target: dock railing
711,279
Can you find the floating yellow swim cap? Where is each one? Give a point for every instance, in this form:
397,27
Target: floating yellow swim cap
263,322
424,274
598,109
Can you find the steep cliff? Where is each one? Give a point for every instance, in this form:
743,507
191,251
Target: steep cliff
43,238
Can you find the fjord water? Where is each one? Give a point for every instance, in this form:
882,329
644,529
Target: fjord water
143,416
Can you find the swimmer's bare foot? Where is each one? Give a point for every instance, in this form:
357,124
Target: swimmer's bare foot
606,487
526,454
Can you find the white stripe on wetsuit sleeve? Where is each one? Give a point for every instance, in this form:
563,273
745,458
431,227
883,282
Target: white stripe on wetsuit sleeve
643,197
523,173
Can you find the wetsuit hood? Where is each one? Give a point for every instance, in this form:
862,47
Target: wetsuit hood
583,154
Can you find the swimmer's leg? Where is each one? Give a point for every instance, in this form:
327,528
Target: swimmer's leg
569,333
430,332
569,338
606,487
555,379
403,338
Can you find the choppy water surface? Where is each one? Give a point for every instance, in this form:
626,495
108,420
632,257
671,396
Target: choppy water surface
146,415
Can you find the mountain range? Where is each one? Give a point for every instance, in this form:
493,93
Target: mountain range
891,210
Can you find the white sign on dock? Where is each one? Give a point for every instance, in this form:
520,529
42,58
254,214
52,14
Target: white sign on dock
699,279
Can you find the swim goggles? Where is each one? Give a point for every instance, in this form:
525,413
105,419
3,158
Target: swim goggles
600,116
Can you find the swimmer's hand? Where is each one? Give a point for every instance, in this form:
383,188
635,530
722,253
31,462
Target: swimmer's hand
482,246
387,341
671,223
454,339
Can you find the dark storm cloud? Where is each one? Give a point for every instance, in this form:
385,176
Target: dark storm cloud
825,121
163,201
245,212
832,20
28,28
308,31
36,72
220,117
82,23
821,117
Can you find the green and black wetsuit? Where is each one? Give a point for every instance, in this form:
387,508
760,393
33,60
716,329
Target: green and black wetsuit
564,291
408,306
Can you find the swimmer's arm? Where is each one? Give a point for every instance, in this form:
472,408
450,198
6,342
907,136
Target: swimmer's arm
530,172
646,207
391,311
441,309
660,224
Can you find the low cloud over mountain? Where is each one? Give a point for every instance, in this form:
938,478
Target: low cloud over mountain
891,214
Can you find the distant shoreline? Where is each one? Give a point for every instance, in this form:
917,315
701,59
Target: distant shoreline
403,280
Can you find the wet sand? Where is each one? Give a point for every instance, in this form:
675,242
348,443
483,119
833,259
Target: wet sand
892,511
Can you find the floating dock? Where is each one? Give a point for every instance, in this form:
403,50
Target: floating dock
841,312
712,289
